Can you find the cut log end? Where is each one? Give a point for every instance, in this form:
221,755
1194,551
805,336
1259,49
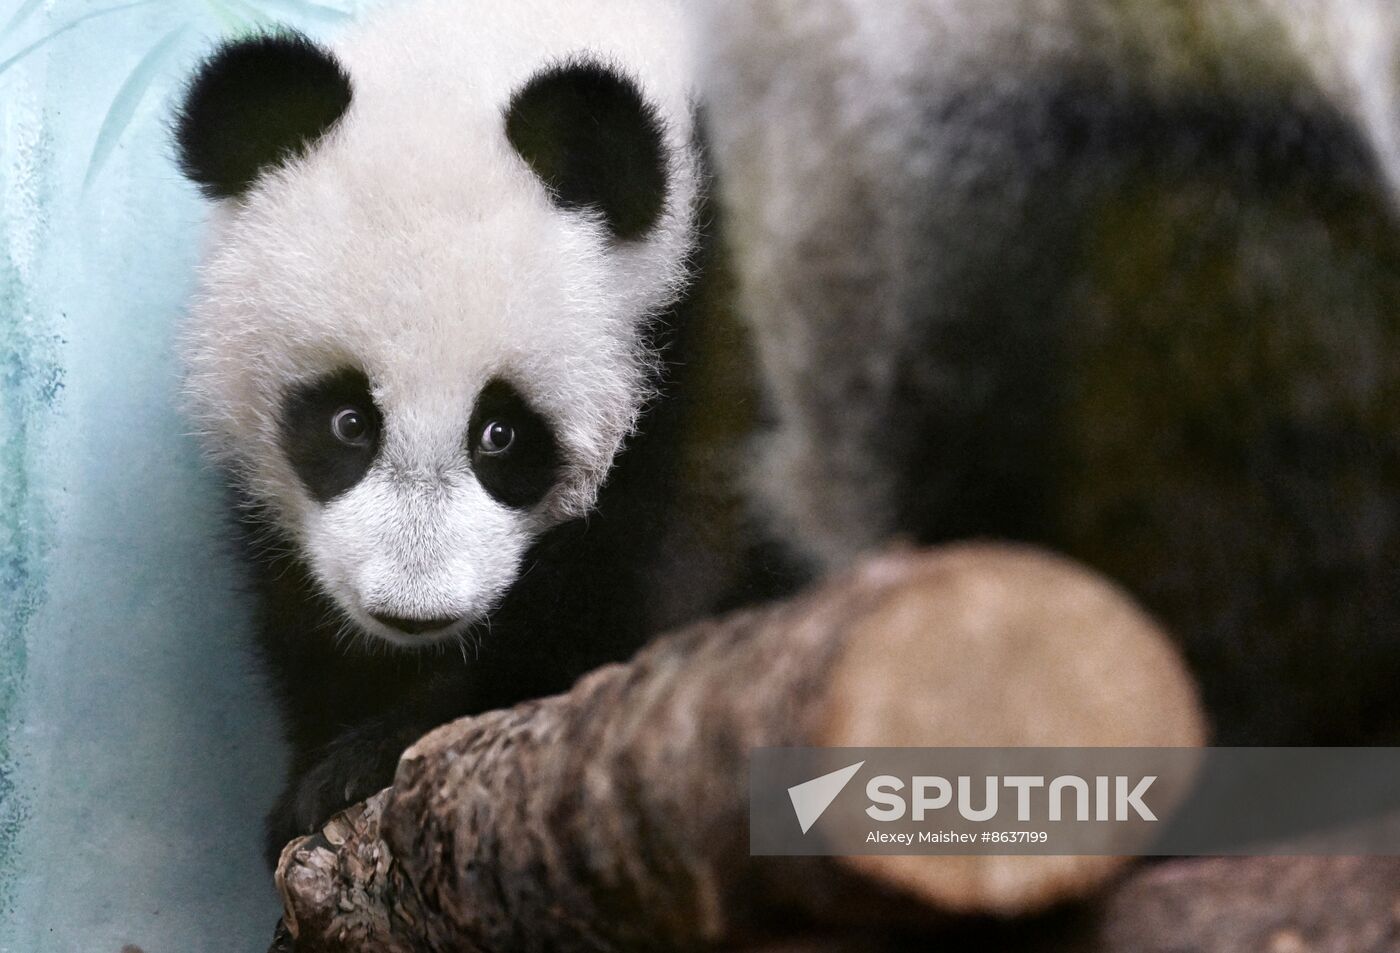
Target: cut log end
982,645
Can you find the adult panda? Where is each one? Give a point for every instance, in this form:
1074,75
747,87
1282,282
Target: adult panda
453,264
1119,278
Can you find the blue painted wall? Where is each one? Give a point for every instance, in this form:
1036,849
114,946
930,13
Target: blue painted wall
136,749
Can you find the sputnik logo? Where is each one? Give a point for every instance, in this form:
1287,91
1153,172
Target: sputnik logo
810,799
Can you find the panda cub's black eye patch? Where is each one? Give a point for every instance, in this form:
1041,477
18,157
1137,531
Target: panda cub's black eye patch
330,432
513,450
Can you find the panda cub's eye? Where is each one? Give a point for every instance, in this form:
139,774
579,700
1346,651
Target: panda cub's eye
512,447
496,437
330,430
351,426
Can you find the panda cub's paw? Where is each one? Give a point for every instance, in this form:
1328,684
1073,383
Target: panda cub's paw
359,763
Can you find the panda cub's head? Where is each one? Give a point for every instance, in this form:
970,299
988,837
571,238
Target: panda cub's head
419,337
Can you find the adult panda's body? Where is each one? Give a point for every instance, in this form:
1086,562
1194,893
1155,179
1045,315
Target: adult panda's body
451,268
1128,279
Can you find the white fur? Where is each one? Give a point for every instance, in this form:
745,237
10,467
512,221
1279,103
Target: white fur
1353,49
413,242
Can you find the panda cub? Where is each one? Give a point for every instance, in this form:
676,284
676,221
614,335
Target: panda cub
444,293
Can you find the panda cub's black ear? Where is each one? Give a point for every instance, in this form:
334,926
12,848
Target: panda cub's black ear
254,104
593,139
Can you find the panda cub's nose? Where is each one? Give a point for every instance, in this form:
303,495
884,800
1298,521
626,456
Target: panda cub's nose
414,626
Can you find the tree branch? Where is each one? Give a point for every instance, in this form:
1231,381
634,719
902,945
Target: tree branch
615,816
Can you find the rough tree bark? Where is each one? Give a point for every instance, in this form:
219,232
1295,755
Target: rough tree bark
1270,904
615,816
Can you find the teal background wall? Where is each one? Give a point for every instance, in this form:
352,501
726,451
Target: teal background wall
137,753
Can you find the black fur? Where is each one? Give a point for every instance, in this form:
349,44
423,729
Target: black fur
327,465
254,104
1148,355
595,142
521,474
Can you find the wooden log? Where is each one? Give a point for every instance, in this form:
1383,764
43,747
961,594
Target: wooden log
1269,904
615,816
